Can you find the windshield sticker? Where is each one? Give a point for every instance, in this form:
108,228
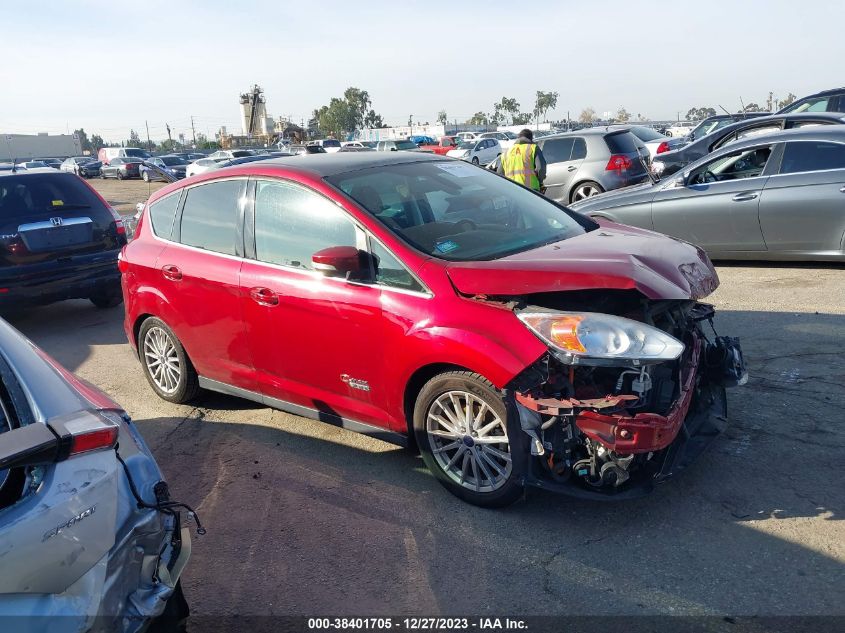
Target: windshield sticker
58,203
445,247
459,169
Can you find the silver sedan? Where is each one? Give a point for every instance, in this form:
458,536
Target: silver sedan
778,196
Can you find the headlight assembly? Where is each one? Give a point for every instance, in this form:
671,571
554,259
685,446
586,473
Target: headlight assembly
589,338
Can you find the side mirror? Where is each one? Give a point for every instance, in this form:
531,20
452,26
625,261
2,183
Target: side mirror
345,262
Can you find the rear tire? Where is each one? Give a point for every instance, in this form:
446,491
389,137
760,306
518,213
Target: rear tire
585,190
146,176
465,438
166,365
107,300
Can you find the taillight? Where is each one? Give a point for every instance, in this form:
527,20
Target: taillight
663,147
84,432
122,264
118,221
618,162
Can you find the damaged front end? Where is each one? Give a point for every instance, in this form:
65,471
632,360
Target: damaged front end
626,397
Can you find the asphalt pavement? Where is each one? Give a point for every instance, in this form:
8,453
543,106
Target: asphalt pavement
305,518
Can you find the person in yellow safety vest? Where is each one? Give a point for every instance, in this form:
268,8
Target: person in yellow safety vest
524,162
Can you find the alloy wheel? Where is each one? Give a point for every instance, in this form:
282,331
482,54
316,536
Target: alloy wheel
162,360
585,191
469,441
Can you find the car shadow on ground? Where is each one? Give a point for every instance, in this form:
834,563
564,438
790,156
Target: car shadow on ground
69,330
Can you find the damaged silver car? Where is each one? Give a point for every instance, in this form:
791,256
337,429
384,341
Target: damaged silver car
89,537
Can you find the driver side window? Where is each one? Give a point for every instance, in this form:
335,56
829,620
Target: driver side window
748,163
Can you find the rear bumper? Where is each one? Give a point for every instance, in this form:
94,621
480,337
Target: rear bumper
42,284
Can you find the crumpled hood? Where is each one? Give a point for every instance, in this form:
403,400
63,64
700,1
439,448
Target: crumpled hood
613,256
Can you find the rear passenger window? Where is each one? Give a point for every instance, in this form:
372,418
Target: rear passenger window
579,149
292,223
557,150
162,213
210,216
812,156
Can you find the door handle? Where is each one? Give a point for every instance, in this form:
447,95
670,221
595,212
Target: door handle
571,168
740,197
264,296
171,272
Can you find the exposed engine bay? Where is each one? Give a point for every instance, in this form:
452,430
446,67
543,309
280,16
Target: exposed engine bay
609,428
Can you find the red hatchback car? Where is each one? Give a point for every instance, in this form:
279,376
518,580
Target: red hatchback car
427,301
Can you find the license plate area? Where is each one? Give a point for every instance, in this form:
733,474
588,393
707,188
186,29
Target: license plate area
56,233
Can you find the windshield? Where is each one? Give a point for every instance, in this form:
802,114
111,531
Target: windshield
405,145
331,143
466,144
137,153
172,160
455,211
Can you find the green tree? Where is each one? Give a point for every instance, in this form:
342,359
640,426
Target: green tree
787,100
97,142
373,120
751,107
697,114
544,102
337,118
523,118
508,105
587,116
84,143
359,105
479,118
442,117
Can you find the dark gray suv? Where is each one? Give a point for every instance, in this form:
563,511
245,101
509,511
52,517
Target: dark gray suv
588,162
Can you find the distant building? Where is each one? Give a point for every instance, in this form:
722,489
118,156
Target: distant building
20,146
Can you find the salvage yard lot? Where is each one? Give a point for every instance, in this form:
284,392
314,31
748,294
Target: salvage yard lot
305,518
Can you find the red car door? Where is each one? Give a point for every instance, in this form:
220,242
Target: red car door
199,274
316,342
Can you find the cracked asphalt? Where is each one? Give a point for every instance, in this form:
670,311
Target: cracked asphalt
307,519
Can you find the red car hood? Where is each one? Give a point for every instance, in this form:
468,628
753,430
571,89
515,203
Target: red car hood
613,256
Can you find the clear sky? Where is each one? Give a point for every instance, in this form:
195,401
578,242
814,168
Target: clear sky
109,66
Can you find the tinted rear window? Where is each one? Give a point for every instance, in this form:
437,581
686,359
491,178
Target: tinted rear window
331,143
812,156
622,143
21,196
137,153
210,215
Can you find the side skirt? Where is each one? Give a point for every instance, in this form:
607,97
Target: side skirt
322,416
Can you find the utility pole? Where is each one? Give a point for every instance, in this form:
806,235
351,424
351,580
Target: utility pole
149,143
193,131
169,138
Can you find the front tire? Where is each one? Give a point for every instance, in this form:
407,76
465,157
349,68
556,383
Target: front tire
119,175
146,176
166,365
462,430
475,160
